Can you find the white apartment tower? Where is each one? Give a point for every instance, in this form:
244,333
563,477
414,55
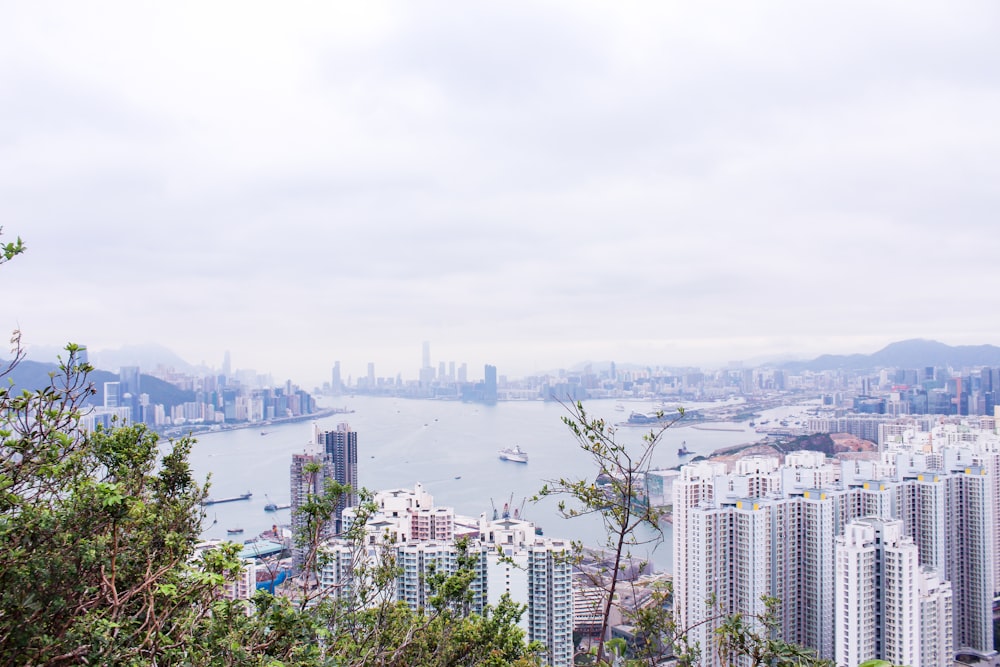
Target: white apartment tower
550,600
889,607
877,606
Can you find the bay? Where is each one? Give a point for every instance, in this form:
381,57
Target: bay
451,448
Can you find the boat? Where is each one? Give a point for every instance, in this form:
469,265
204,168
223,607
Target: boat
515,454
272,506
684,451
233,499
234,531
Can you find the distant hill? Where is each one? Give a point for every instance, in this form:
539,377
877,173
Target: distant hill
914,353
147,356
33,375
143,356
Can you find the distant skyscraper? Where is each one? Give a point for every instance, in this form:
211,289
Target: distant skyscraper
336,386
427,355
129,389
341,446
490,385
112,394
463,373
227,365
371,375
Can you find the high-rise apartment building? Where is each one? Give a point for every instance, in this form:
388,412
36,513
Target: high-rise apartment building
550,599
341,446
764,530
886,602
508,558
309,473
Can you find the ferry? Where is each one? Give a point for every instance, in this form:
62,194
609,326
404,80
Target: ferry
515,454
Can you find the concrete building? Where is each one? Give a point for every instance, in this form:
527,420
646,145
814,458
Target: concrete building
761,531
309,474
341,446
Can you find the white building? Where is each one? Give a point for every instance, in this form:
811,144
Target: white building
761,531
509,559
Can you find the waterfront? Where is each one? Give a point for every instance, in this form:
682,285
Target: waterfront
450,447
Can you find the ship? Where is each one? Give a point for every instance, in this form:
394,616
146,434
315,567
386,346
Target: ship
233,499
684,451
234,531
515,454
272,506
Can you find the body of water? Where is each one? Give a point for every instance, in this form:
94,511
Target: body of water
450,447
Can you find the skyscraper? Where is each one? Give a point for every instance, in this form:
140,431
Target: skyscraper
112,394
490,385
426,361
341,446
129,390
336,384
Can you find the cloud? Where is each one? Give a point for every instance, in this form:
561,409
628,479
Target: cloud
524,184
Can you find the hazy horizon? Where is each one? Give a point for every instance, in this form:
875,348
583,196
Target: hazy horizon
529,186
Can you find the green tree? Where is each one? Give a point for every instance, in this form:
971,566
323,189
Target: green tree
97,532
619,499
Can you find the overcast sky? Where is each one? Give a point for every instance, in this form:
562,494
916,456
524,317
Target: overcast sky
530,184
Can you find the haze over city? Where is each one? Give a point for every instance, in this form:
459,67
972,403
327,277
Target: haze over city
529,186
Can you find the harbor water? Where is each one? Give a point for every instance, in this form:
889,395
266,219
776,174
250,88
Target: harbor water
449,447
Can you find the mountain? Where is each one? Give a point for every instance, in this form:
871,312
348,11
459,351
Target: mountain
32,375
148,355
913,353
143,356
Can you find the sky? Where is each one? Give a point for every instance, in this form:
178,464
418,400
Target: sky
527,184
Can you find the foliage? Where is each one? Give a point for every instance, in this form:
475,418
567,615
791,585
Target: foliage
97,532
756,641
10,249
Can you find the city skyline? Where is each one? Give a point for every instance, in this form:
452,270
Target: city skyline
524,186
